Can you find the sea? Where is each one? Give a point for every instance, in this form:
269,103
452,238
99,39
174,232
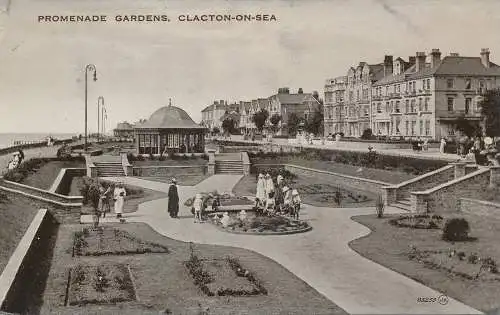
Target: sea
7,139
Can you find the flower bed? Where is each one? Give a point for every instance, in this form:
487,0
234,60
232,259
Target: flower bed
261,224
458,263
223,277
110,241
420,221
103,284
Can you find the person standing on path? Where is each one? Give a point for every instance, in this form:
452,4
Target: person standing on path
173,199
119,197
442,146
197,205
260,196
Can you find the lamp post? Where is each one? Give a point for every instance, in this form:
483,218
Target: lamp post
104,118
100,101
88,68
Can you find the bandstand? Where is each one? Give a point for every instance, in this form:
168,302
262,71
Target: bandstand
169,130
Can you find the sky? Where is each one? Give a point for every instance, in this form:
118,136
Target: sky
141,65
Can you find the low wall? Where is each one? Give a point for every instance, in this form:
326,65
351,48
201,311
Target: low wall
37,192
23,280
426,181
63,212
169,171
347,181
62,183
445,197
479,207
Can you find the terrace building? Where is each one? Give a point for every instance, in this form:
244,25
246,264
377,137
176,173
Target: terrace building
358,95
284,103
425,98
334,105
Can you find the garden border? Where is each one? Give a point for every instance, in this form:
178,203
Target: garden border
304,230
63,176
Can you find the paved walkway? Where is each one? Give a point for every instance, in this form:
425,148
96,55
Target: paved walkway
321,257
40,152
432,153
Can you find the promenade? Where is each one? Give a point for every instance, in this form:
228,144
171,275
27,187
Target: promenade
321,257
432,153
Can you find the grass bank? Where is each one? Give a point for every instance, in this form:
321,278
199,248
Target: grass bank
391,246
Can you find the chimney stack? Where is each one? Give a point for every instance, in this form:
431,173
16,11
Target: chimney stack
388,65
485,57
435,57
420,57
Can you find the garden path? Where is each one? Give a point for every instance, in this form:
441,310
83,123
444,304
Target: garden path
321,257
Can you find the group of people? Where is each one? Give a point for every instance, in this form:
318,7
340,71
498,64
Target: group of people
17,159
276,199
118,193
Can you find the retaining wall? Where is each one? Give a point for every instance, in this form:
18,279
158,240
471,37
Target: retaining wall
358,183
446,197
62,183
169,171
62,212
23,279
479,207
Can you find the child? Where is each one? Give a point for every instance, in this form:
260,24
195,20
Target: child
296,203
270,202
197,205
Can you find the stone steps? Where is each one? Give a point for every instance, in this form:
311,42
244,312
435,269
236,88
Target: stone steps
404,204
228,167
109,169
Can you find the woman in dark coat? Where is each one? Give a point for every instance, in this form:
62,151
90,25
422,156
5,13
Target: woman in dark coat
173,200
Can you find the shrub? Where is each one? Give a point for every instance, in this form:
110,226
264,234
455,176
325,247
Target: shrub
162,158
379,206
131,157
140,157
456,229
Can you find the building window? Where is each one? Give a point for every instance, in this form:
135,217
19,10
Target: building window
413,125
468,102
449,83
412,107
397,88
407,109
398,110
450,104
468,84
481,85
379,108
426,104
407,129
428,84
419,104
427,127
387,109
421,127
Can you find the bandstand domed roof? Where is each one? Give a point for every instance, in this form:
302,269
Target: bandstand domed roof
169,117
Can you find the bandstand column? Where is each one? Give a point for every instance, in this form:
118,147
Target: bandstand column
159,143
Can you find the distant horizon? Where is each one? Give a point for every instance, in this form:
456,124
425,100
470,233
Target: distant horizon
141,65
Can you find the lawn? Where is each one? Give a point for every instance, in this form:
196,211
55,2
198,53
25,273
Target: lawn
162,280
314,192
393,247
390,176
17,214
44,177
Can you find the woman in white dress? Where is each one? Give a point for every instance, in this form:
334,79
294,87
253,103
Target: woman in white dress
260,196
119,197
